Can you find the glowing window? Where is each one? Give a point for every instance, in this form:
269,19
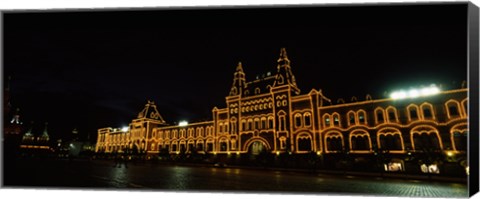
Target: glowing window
361,118
433,168
336,120
393,166
327,121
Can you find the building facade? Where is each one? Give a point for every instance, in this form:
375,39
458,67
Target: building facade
270,114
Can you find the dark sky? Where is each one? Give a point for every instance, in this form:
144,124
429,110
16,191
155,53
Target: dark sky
97,68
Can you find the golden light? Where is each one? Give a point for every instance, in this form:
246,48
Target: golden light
450,154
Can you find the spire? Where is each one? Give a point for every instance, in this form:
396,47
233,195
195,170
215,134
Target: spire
238,81
283,59
29,132
45,132
239,67
284,72
16,117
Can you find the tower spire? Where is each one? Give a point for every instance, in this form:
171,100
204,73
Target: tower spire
283,59
284,72
238,81
45,132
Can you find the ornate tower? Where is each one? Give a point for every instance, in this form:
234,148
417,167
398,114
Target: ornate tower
44,138
284,73
238,81
283,88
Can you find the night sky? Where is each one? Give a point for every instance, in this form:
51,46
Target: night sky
97,68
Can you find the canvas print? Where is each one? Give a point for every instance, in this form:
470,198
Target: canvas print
365,99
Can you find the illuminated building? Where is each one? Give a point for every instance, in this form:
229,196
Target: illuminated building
270,113
31,143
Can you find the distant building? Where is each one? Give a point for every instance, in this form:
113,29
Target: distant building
270,114
32,144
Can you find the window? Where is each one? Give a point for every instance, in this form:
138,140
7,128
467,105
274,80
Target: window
307,118
283,142
264,124
270,122
427,113
379,114
336,119
298,120
361,117
244,127
234,127
257,123
282,123
413,113
453,110
392,116
351,118
250,124
327,121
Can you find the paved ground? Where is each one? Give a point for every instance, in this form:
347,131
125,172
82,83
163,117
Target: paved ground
102,174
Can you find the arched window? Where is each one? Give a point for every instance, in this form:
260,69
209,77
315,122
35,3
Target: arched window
351,118
412,112
392,114
326,120
233,124
270,122
257,90
379,115
223,144
362,117
244,127
390,139
175,134
282,121
452,108
360,141
336,119
307,118
427,111
298,120
264,123
458,136
334,141
283,142
304,142
257,123
250,124
425,138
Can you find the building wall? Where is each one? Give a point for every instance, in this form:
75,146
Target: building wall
278,118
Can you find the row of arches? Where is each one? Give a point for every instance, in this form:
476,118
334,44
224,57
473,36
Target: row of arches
422,137
413,112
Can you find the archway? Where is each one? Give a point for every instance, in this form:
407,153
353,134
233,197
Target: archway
256,147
